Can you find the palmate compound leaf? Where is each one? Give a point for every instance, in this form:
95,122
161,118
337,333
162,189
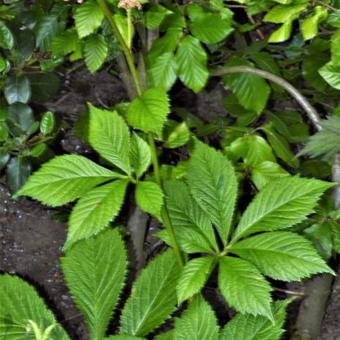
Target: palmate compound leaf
65,178
95,270
281,255
94,211
213,185
149,197
148,112
193,277
22,309
109,135
249,327
153,296
281,204
193,229
244,287
198,322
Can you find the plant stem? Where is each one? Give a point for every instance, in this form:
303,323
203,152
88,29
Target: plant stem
130,60
129,28
165,212
127,52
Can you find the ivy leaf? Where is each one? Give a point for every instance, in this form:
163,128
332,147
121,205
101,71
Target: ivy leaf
6,37
94,211
65,178
193,277
243,287
162,71
211,28
192,226
17,90
21,307
153,296
213,184
109,135
96,51
281,204
249,327
197,322
149,197
88,18
282,255
149,111
191,59
140,155
251,91
95,271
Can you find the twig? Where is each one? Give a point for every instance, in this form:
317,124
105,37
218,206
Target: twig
289,292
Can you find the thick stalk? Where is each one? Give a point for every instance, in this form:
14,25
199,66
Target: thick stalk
130,60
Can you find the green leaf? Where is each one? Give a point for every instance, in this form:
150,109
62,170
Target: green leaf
96,51
282,255
191,59
249,327
149,197
331,74
213,184
88,18
140,155
123,337
193,277
47,123
153,296
109,135
211,28
21,307
178,136
65,178
282,14
192,226
94,211
47,29
6,37
149,111
281,204
253,149
326,142
162,71
265,172
310,26
335,48
198,322
154,16
95,270
18,170
243,287
282,34
20,118
66,43
251,91
17,89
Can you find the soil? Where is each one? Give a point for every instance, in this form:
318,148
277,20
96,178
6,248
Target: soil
31,239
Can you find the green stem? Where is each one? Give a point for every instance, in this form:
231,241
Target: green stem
129,28
130,60
127,52
165,212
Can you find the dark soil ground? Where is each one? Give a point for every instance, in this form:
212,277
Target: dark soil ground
31,239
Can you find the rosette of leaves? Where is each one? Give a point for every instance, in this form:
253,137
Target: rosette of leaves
260,244
95,271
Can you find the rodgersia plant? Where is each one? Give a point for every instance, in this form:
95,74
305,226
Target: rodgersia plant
207,232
